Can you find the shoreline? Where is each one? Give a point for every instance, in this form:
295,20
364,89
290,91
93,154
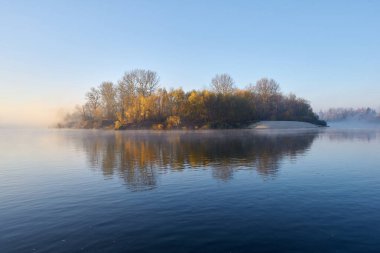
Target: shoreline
261,125
284,125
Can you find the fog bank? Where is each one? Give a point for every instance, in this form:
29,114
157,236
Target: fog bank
31,114
359,118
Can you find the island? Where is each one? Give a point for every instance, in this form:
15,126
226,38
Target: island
137,102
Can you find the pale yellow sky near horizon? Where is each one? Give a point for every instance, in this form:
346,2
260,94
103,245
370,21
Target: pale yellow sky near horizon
27,115
34,113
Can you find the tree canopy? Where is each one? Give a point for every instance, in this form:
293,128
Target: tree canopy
137,102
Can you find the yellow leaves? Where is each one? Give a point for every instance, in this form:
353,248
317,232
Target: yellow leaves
173,121
158,127
206,94
118,125
193,98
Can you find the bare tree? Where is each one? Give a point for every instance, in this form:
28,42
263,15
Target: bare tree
93,101
127,84
139,81
108,99
81,110
267,87
223,84
146,81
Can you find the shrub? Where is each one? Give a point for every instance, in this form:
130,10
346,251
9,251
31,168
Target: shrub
117,125
158,127
173,121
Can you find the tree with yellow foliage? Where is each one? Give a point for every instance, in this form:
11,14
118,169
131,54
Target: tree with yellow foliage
136,102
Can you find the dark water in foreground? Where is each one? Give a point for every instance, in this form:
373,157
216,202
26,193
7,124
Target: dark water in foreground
212,191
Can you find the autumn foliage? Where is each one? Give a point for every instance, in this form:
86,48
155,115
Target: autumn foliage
137,102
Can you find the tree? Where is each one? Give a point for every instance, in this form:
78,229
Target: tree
267,87
136,102
223,84
146,81
125,94
268,97
134,84
177,100
108,99
93,102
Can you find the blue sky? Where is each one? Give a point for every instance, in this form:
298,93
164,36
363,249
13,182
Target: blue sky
52,52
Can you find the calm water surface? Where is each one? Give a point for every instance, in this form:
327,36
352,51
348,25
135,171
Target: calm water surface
206,191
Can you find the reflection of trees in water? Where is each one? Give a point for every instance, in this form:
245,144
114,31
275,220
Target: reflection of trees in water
138,156
133,161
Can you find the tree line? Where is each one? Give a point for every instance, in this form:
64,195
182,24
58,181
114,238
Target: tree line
137,101
342,114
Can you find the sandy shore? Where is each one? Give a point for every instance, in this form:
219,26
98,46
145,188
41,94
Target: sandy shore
282,125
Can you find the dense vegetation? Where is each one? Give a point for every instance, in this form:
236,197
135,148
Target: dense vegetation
137,102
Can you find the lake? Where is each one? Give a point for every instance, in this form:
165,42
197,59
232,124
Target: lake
196,191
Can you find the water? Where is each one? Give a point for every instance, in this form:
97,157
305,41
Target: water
206,191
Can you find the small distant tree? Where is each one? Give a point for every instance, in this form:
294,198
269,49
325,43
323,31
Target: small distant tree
223,84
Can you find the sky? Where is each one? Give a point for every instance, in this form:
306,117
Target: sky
52,52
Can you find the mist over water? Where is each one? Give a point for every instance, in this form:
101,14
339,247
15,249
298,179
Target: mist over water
349,118
32,114
354,124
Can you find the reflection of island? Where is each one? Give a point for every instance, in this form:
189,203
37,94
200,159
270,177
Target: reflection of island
139,156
